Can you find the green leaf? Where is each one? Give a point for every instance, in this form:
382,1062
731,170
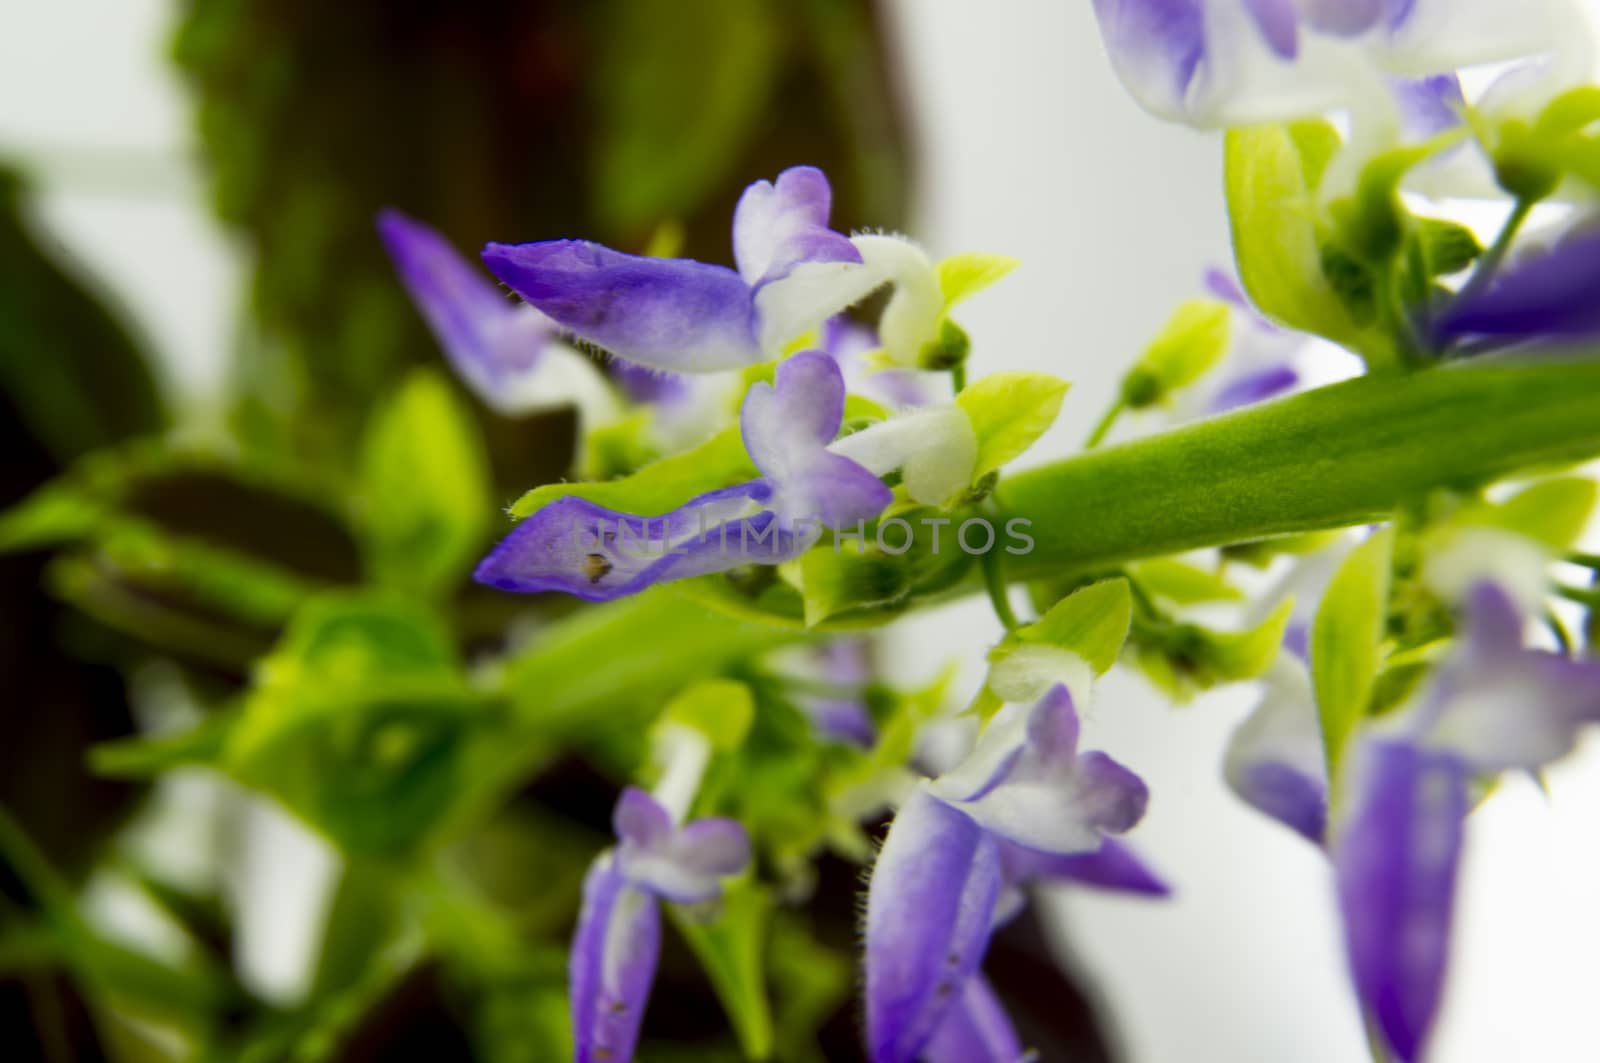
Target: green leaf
1346,641
1182,584
664,485
57,513
720,709
1009,411
1091,622
1193,340
1271,175
1554,511
681,88
731,951
426,486
1240,655
971,272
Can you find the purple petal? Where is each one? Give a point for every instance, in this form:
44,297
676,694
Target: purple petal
643,384
1428,106
977,1030
594,553
1344,18
1279,24
669,313
1108,796
1113,867
778,226
1156,46
1550,296
639,819
787,425
612,964
1254,387
787,422
1053,726
1395,861
1494,626
1290,796
714,846
485,336
929,908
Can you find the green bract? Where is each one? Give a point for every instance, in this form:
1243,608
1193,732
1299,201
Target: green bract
1346,641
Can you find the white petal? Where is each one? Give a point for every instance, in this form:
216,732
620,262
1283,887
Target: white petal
1464,557
808,296
911,319
935,449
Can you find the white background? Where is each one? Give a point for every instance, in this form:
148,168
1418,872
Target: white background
1032,149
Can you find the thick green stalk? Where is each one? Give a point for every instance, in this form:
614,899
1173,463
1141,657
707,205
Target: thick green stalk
1339,455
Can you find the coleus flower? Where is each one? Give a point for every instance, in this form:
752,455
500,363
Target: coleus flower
1396,831
1238,62
1493,706
509,354
792,273
808,481
618,937
1025,796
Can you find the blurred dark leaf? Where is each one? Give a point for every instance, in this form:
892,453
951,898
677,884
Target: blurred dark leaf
76,377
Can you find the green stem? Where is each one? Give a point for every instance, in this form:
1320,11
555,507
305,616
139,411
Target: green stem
1586,560
1489,262
958,377
1583,596
1103,429
994,578
1341,455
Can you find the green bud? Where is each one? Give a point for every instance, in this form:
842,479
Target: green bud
1193,340
949,350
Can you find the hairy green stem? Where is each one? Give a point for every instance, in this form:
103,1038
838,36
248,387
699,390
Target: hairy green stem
1102,429
1341,455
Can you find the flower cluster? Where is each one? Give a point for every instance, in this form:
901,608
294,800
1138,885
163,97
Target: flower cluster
1396,672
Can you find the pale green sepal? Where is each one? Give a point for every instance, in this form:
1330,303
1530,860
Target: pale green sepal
1009,411
970,273
1241,655
661,486
1182,584
731,949
1347,640
1091,622
720,709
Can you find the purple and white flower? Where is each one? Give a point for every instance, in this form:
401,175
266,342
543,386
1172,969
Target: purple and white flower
618,938
509,354
793,272
586,550
1025,798
1547,297
809,481
1237,62
844,665
1492,706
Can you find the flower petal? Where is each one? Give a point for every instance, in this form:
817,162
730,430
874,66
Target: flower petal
1112,867
640,820
1062,815
1157,47
977,1030
929,907
1395,860
486,337
714,846
1275,761
777,226
611,966
594,553
935,449
669,313
1547,296
910,320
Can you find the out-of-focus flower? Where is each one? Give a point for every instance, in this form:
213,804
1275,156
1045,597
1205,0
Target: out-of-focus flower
1492,706
1548,297
618,938
1238,62
838,712
686,316
1024,797
508,354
